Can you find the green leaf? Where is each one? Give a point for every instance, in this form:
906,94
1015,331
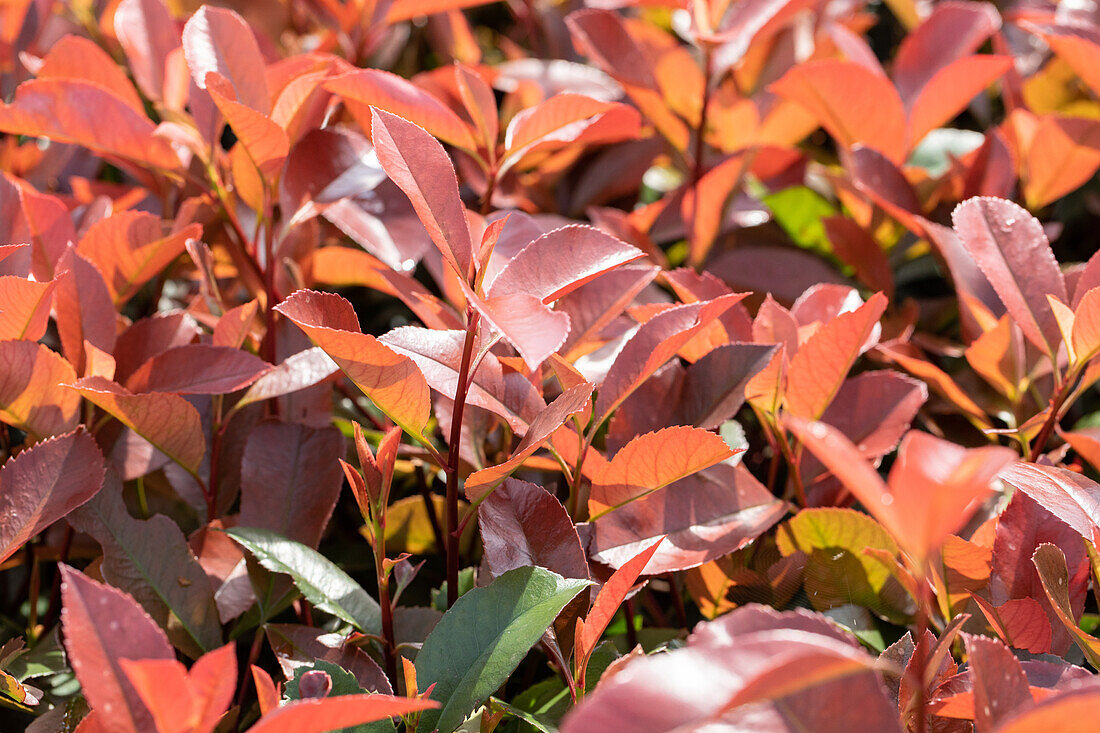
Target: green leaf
343,683
837,571
482,639
799,211
323,584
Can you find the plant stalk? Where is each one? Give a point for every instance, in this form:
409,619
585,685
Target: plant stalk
453,453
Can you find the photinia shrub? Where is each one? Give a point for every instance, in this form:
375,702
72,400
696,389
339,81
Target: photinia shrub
607,365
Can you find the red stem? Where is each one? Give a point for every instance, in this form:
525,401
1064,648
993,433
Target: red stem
452,456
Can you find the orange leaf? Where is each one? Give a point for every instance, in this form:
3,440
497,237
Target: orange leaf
31,396
321,716
265,142
652,461
948,93
1086,326
83,113
24,307
820,365
130,249
167,421
75,57
853,103
392,381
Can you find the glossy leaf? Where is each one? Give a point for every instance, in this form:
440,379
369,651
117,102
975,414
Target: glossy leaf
524,525
484,636
322,716
417,163
198,369
322,583
24,307
218,40
1050,562
1012,251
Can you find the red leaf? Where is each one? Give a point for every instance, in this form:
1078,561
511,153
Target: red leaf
167,421
952,30
84,310
523,524
883,182
32,397
714,386
875,409
819,367
24,307
235,325
559,119
949,92
536,330
606,605
44,483
703,517
366,88
297,372
1021,622
997,680
321,716
290,479
857,248
569,403
1069,712
420,167
147,34
655,342
216,39
1012,251
179,700
392,381
198,369
652,461
560,261
101,627
1071,497
82,113
438,354
855,105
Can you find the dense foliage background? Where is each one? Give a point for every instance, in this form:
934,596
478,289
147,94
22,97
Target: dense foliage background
595,365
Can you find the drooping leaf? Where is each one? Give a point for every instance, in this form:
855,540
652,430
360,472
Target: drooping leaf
323,584
484,636
391,380
1012,251
83,113
31,396
102,626
651,462
290,479
150,560
198,369
45,483
167,421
